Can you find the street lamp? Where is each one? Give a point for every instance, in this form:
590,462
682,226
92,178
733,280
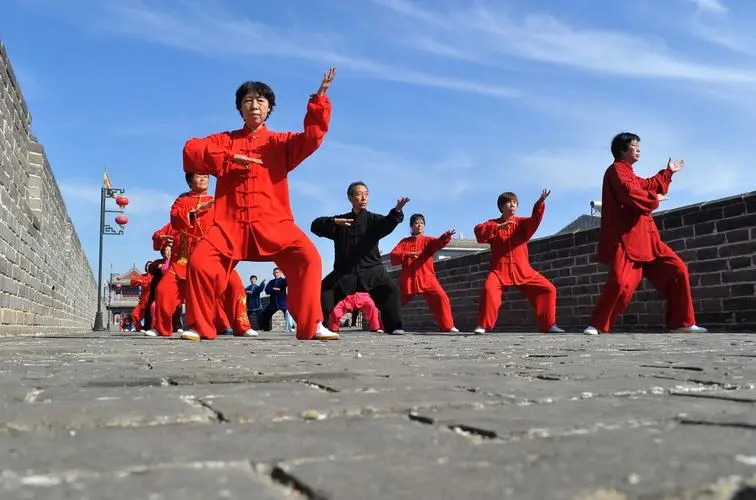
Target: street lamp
108,191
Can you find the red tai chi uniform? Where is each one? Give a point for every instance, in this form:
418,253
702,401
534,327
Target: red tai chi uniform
418,276
630,244
143,281
360,301
232,307
253,219
510,266
187,226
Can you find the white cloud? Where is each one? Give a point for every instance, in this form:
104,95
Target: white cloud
141,201
710,6
544,38
445,179
206,29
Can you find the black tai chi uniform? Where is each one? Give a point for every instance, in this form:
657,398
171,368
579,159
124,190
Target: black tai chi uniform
357,264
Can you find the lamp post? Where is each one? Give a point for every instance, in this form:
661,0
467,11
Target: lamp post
106,192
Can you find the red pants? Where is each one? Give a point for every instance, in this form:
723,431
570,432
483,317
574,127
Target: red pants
137,315
232,307
438,303
356,302
538,291
667,273
207,275
169,295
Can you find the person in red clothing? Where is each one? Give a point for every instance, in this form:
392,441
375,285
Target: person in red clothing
360,301
253,218
143,282
191,215
630,244
508,236
418,276
232,309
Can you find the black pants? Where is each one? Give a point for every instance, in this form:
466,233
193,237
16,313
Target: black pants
384,293
266,317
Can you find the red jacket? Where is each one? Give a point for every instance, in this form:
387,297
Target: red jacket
510,260
626,205
417,274
252,212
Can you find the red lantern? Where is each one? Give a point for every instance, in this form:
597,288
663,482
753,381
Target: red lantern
121,201
122,220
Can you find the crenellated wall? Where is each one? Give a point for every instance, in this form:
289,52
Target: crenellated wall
46,282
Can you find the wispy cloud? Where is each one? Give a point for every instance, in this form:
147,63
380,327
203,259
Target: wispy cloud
547,39
206,29
141,201
447,178
710,6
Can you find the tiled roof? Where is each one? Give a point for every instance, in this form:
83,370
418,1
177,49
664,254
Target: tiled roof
582,223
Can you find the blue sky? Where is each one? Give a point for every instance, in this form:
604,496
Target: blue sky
448,102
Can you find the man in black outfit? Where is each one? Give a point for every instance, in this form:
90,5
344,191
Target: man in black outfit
357,264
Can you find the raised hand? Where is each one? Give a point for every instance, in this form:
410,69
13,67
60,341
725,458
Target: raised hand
662,197
400,203
246,160
342,222
327,80
450,232
676,165
544,194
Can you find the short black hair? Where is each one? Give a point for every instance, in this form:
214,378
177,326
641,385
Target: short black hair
275,269
621,142
505,197
353,186
415,217
253,276
259,88
189,176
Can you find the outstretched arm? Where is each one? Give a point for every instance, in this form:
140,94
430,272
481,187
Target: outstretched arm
530,224
300,145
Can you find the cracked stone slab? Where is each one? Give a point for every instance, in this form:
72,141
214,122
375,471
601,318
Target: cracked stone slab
579,416
179,481
573,467
101,449
102,412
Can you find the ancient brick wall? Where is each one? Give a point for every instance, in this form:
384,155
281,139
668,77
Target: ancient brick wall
46,282
717,240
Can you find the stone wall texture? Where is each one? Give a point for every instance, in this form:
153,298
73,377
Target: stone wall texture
46,282
717,241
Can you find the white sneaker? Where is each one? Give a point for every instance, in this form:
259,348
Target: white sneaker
398,331
555,329
479,330
180,330
150,333
249,333
453,330
190,335
379,331
690,329
323,333
591,330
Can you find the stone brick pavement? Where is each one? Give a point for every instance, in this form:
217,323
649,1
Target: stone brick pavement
427,416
